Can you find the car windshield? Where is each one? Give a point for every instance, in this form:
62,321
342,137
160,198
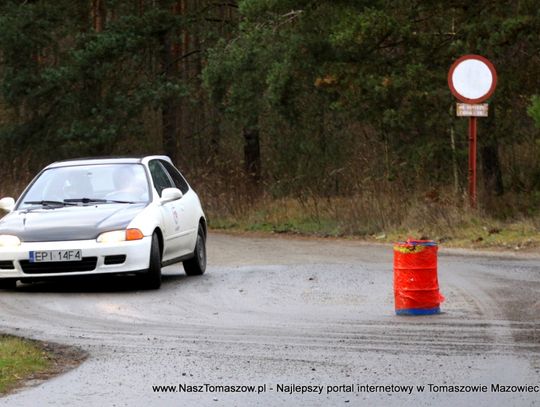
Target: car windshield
88,184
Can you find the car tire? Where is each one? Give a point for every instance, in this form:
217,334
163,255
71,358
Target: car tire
8,284
196,266
151,279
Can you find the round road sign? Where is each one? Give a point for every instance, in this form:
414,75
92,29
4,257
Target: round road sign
472,79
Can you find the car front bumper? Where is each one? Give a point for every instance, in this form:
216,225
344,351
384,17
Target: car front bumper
137,254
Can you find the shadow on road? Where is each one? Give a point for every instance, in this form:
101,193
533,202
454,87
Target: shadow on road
95,284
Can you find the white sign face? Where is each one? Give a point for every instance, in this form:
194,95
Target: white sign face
468,110
472,78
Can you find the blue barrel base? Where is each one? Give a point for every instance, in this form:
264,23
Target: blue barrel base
419,311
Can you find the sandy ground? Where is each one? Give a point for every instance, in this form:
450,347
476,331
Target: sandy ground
277,312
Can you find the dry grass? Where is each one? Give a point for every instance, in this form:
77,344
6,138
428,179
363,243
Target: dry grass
374,217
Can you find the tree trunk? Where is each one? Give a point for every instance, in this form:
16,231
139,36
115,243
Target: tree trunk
491,164
169,108
252,153
215,130
184,119
491,168
98,15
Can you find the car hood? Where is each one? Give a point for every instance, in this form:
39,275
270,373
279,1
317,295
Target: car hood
68,223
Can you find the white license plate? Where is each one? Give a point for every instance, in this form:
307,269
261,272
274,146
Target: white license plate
55,255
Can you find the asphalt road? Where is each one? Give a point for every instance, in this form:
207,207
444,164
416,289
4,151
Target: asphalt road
277,312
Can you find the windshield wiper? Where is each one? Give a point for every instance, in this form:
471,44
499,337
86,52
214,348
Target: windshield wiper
121,202
85,200
96,200
50,203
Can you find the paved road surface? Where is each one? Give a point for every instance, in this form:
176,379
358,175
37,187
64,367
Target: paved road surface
273,311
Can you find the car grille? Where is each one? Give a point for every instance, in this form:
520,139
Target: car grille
6,265
86,264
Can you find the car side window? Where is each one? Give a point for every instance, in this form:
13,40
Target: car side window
159,176
177,178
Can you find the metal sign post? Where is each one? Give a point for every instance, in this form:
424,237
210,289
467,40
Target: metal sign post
472,80
472,161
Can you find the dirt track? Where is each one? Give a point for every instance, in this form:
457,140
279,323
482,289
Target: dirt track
288,311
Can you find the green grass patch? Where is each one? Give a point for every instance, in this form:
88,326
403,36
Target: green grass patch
20,359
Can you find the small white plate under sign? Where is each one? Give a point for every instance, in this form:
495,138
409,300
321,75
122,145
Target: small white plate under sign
470,110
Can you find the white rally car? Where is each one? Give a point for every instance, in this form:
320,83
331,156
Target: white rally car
103,216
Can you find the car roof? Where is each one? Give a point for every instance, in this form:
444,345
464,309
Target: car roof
107,160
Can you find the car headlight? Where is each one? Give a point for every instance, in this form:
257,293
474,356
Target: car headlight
120,236
111,237
9,241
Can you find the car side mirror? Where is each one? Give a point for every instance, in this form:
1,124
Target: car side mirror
171,194
7,204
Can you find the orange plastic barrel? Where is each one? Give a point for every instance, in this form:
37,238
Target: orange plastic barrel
416,286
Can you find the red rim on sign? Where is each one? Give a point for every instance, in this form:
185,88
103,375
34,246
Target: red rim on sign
472,79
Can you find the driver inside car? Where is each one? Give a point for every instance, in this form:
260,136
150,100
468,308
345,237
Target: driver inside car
129,186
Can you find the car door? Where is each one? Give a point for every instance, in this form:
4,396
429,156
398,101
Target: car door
170,213
189,204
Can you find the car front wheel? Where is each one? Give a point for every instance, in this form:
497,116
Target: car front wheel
197,264
151,279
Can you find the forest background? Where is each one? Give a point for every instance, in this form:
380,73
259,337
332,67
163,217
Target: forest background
322,117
